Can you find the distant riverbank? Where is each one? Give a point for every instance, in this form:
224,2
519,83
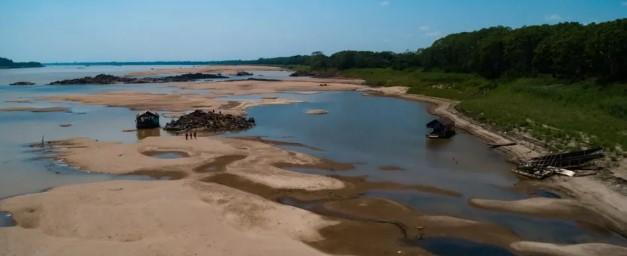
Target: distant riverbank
7,63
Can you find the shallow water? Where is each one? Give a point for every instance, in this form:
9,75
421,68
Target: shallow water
383,138
23,170
167,154
456,247
6,219
26,169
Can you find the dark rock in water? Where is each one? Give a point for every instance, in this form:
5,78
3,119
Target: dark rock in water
109,79
23,83
263,79
188,77
99,79
210,121
243,73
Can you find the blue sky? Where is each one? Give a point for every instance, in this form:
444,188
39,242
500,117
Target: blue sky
140,30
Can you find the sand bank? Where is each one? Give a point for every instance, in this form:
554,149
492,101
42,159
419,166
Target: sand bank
156,218
213,69
202,213
181,102
247,87
174,103
589,249
548,207
118,158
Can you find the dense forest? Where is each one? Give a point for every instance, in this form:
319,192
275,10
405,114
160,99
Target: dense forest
7,63
566,50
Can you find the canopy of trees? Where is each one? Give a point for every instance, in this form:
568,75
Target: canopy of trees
565,50
7,63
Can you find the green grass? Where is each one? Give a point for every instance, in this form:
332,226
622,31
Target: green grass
446,85
563,115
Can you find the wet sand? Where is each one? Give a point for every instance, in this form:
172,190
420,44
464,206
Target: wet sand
535,248
181,217
213,69
76,217
172,103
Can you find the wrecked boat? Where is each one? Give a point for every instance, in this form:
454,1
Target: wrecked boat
210,121
548,165
441,128
147,120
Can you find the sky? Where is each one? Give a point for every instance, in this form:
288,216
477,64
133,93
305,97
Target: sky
150,30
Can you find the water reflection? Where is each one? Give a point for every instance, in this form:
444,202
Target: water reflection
145,133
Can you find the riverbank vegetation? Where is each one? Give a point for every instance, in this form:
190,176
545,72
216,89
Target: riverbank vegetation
562,114
7,63
562,84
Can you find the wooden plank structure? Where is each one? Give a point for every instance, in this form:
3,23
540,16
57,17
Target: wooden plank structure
545,166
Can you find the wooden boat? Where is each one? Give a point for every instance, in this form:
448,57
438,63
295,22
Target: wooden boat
570,159
147,120
544,166
441,128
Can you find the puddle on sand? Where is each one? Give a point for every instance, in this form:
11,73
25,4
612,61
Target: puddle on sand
6,219
455,247
166,154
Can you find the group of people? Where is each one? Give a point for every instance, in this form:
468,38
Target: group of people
190,135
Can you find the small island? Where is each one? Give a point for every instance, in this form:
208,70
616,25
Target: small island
7,63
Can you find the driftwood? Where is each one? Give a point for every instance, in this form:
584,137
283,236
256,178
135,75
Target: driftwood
498,145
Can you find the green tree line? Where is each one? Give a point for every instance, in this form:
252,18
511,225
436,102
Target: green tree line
566,50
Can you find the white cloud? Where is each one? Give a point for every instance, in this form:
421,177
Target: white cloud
433,34
554,17
428,32
384,3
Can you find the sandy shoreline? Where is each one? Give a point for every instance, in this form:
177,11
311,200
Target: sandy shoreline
214,69
74,220
588,193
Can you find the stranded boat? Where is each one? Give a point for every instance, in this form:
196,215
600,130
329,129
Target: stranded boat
545,166
441,128
147,120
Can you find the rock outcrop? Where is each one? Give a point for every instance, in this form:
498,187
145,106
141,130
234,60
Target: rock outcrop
109,79
23,83
243,73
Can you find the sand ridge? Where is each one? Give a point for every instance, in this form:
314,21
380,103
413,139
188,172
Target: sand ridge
213,69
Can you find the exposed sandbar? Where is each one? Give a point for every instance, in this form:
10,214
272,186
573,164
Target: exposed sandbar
547,249
222,69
